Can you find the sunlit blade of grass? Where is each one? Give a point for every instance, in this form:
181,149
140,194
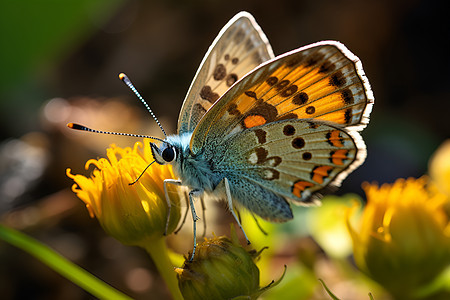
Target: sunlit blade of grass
72,272
329,292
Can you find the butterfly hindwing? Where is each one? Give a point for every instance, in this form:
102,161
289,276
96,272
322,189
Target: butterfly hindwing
239,48
258,199
292,158
322,81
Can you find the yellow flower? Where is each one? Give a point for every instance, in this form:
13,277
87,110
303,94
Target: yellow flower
440,167
222,269
403,241
133,214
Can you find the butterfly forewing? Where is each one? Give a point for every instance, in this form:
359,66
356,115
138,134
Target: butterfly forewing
239,48
323,81
293,158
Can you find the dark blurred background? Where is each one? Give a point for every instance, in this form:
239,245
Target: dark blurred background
59,63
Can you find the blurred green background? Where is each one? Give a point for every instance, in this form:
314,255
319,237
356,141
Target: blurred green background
59,62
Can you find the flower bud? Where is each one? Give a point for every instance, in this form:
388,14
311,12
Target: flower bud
222,269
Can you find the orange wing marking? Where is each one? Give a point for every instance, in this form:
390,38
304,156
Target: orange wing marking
299,186
335,139
319,173
338,156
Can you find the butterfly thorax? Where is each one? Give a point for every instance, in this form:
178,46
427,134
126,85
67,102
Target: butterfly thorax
194,170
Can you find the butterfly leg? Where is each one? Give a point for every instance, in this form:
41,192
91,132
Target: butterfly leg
169,204
230,206
194,193
186,198
202,201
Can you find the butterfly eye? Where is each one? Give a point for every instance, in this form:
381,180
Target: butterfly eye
168,154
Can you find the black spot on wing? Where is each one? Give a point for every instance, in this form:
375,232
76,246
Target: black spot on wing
219,72
337,79
300,99
206,93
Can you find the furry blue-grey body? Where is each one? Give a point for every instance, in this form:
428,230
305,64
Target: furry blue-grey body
197,171
206,170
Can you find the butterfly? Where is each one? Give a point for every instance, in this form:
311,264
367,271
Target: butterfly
264,131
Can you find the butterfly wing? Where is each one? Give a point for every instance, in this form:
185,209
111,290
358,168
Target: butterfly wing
292,158
239,48
323,81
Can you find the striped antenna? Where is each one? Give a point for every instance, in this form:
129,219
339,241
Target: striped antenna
84,128
127,81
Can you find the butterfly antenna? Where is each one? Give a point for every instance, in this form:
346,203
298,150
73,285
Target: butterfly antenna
127,81
84,128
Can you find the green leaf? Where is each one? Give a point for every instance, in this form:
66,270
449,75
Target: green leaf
36,35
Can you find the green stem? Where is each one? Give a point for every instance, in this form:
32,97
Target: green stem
69,270
157,249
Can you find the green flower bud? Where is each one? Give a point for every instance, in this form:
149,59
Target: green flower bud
222,269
